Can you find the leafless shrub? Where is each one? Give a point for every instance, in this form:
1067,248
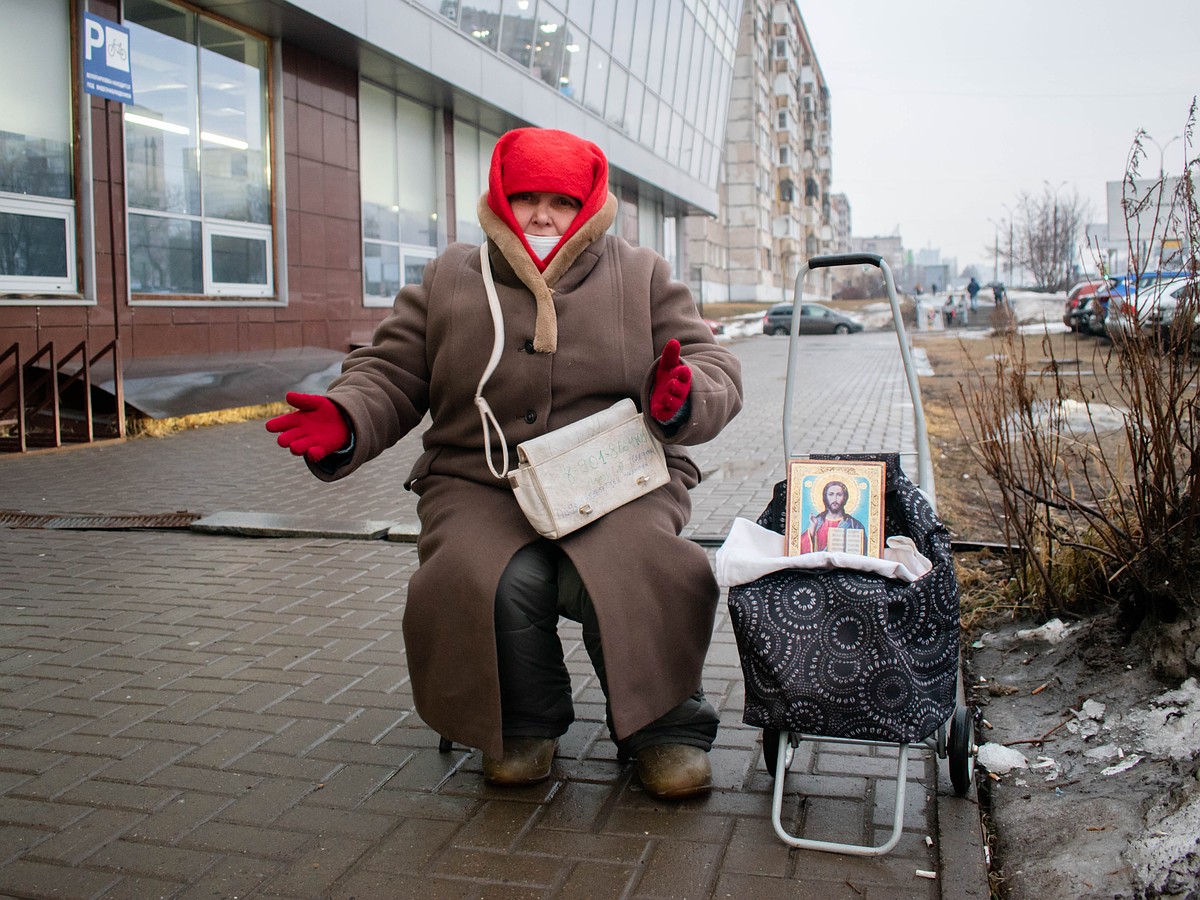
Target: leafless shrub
1105,515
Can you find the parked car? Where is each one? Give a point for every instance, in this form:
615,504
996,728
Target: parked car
1121,288
1159,320
1092,313
715,326
814,319
1077,296
1129,306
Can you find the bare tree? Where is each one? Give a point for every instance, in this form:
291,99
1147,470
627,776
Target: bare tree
1045,231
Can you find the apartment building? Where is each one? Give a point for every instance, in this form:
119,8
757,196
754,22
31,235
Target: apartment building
776,206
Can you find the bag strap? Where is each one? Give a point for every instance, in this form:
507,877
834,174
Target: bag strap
486,416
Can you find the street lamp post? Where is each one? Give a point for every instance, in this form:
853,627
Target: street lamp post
1055,245
1162,150
1010,244
995,251
1162,181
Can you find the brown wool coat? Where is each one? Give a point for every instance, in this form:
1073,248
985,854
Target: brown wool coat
605,309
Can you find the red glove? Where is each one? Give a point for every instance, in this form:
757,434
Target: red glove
315,431
672,382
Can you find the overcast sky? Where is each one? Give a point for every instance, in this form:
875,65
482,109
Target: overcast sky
945,110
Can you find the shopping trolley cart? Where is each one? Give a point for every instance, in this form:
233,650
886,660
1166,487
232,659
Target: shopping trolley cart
853,657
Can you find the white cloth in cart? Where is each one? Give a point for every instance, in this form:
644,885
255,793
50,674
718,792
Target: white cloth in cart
751,551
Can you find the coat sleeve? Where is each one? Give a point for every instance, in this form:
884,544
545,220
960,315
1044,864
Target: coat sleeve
384,388
716,394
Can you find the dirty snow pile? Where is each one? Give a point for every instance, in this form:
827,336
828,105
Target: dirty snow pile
1165,856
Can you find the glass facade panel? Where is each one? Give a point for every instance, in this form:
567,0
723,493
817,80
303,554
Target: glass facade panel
603,17
35,112
684,83
37,169
165,256
239,260
550,36
469,181
517,30
445,8
622,39
670,53
574,64
161,148
379,162
414,268
641,34
33,246
644,66
481,20
598,64
614,107
381,269
418,173
657,29
399,186
233,125
633,108
649,119
197,148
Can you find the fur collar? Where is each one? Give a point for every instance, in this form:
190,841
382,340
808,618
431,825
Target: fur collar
545,333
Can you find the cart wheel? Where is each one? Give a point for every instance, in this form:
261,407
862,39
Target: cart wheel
962,750
770,740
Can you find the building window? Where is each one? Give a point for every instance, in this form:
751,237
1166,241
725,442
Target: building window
472,156
787,190
399,196
782,121
197,157
785,155
37,173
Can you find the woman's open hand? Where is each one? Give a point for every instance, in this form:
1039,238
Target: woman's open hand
315,430
672,383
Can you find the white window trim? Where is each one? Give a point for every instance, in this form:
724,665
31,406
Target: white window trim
216,227
46,208
407,252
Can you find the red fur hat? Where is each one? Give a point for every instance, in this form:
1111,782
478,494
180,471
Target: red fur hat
548,161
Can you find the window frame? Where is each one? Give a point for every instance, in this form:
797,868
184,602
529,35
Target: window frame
223,294
44,208
406,250
210,228
74,287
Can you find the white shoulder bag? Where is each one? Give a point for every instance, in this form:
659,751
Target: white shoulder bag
573,475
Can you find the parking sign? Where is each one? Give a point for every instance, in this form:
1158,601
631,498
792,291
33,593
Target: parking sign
106,69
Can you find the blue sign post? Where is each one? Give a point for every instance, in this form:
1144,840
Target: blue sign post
106,62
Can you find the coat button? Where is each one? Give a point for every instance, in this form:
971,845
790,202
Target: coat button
529,346
530,416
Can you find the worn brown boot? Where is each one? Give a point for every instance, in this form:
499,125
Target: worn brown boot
526,760
674,771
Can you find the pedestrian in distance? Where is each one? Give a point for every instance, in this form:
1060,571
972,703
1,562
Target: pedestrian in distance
999,293
591,319
973,293
948,311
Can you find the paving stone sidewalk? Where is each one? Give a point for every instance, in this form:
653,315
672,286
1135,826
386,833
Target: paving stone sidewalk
187,714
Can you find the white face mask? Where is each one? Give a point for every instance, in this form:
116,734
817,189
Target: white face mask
542,244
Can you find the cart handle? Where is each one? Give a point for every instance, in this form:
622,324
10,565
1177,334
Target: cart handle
924,464
845,259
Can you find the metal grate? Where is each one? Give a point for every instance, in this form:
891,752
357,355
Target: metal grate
96,522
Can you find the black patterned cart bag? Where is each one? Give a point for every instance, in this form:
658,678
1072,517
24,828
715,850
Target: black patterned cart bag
851,654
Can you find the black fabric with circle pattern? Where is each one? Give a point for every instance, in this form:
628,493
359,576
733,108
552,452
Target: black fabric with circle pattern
851,654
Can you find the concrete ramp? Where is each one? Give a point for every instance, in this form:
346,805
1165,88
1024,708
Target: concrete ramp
168,387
